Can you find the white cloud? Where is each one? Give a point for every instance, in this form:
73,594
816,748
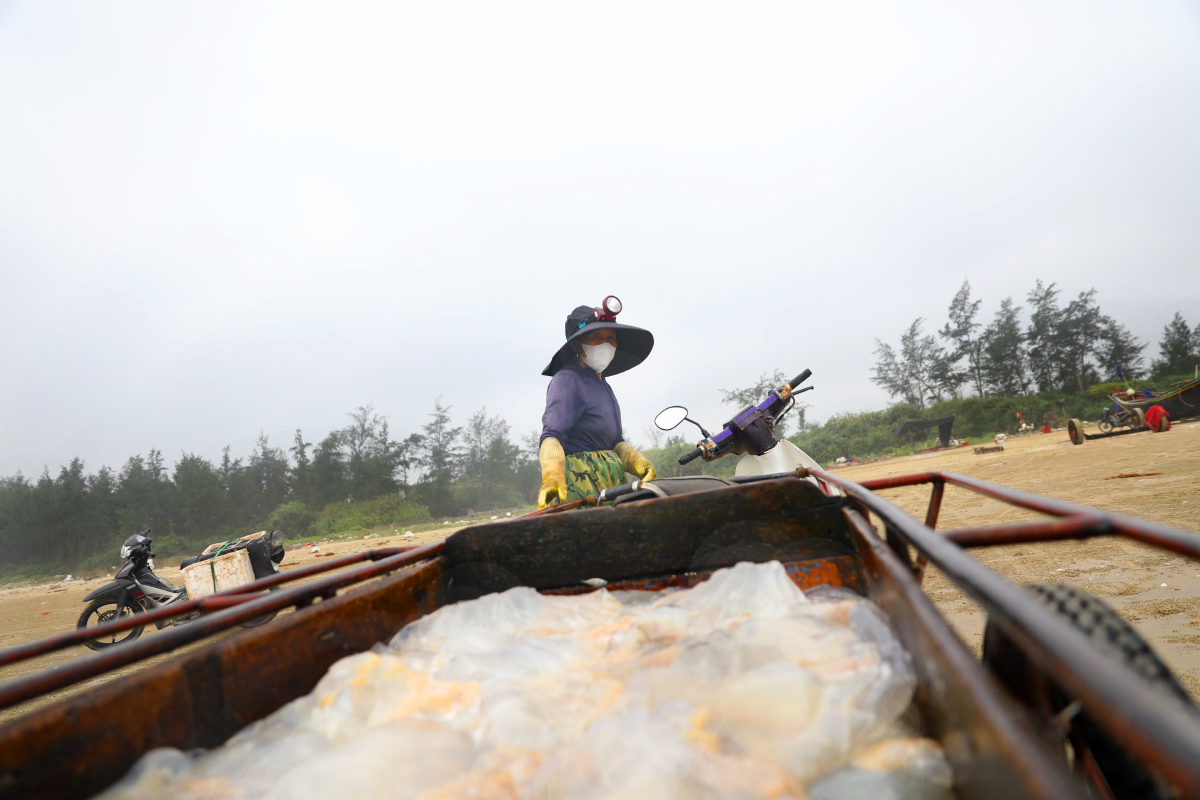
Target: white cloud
326,216
494,77
216,217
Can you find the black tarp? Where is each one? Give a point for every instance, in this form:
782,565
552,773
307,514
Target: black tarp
943,425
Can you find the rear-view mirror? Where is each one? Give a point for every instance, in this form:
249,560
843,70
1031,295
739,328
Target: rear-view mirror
670,417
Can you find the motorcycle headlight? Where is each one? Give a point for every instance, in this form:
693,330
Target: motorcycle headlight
125,551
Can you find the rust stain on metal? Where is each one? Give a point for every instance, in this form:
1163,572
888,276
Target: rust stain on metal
212,602
1160,735
78,747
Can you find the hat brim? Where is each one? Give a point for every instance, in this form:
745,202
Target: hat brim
633,345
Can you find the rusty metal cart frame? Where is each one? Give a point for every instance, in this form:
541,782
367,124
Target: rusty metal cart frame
212,689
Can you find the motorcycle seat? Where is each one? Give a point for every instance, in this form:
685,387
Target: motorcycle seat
676,486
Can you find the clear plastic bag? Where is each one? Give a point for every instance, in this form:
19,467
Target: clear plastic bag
742,687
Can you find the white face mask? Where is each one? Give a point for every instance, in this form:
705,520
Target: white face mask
598,356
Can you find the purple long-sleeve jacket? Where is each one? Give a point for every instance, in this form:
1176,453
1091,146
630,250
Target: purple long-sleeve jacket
581,411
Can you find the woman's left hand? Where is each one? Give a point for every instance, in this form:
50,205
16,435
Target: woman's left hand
646,469
634,462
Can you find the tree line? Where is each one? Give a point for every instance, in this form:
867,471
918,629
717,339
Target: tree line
77,517
1062,347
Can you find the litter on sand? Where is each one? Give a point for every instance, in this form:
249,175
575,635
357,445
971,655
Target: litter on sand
1132,475
742,687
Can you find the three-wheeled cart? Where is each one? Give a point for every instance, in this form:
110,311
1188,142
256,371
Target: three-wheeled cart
1065,705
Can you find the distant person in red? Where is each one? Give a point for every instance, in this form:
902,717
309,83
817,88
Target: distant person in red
1157,419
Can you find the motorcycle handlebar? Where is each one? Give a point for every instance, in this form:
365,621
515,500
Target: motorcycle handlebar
686,457
799,379
613,492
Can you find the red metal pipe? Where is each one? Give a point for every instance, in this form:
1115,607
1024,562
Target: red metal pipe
935,504
1177,541
81,669
1158,731
915,479
931,518
1021,533
212,602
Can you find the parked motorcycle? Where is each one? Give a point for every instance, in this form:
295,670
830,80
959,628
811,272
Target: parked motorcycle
137,588
1113,418
751,433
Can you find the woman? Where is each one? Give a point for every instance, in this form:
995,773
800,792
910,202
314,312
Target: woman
582,451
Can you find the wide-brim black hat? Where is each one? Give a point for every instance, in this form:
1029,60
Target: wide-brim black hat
633,344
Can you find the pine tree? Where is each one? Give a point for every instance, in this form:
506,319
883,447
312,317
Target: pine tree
1005,365
267,472
1118,346
408,456
1041,336
372,458
888,374
300,478
967,345
1177,354
922,372
1079,331
440,459
327,475
199,499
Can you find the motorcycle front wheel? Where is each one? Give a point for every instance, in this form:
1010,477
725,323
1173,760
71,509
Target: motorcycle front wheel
1105,426
265,618
104,609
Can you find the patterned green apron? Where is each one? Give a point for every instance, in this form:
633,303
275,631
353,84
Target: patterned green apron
591,471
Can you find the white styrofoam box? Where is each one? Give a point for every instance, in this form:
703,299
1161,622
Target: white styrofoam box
233,569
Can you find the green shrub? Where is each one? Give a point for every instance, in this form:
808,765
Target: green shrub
389,509
480,497
1165,382
666,461
105,560
1101,391
869,433
167,545
294,519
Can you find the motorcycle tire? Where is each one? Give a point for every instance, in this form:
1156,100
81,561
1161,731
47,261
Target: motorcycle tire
265,618
1106,426
104,609
1114,638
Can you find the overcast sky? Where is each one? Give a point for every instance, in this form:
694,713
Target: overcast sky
221,218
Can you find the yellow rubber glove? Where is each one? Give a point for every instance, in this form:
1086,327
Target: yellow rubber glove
635,463
554,472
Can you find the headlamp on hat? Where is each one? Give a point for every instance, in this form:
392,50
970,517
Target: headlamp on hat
608,309
636,343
